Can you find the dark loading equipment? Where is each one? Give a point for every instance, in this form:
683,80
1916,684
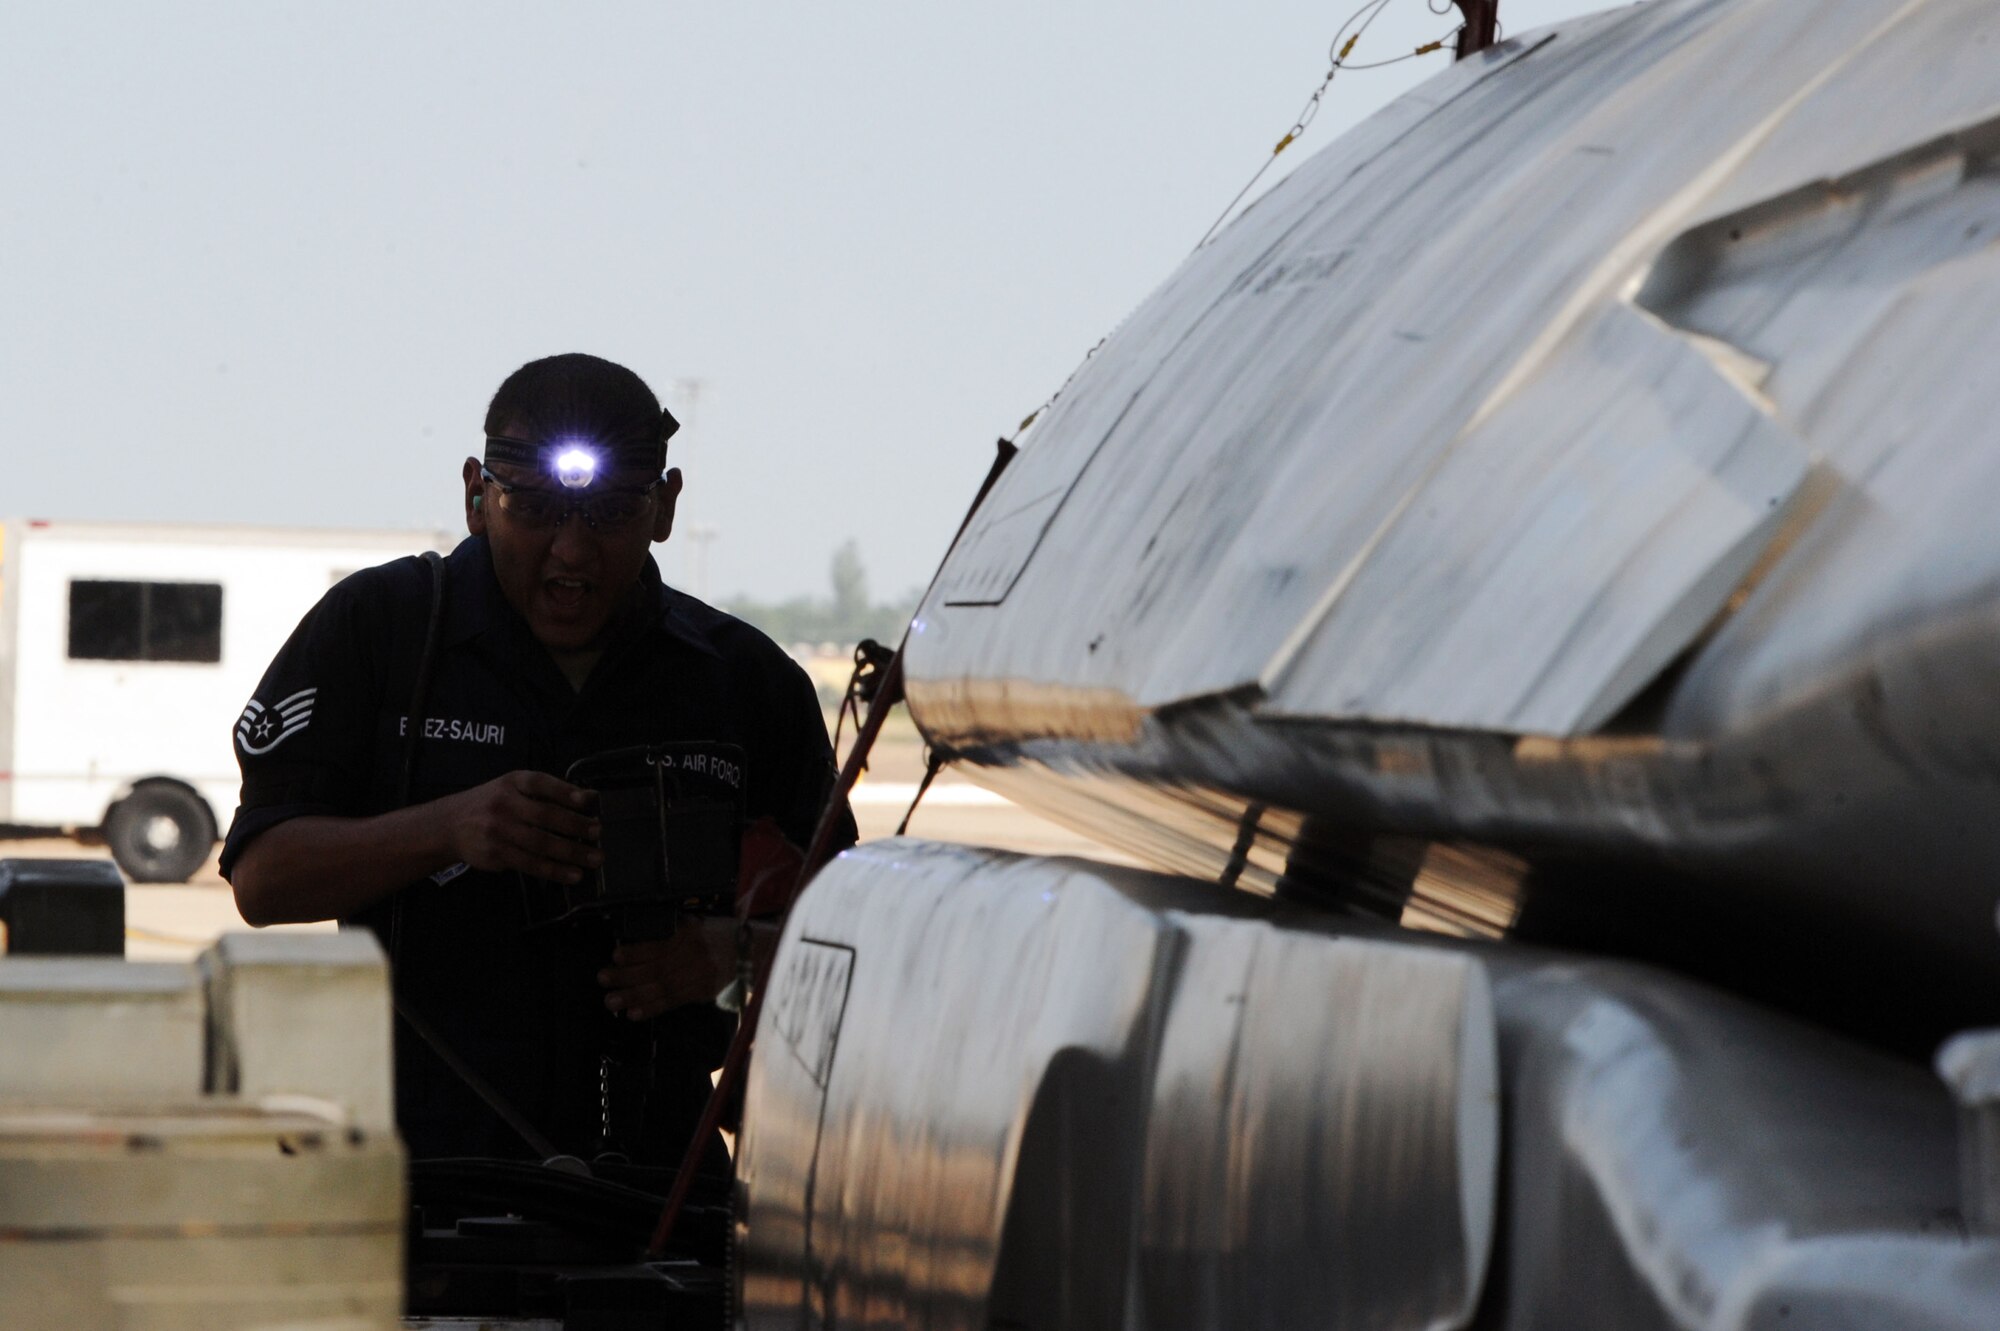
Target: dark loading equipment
69,908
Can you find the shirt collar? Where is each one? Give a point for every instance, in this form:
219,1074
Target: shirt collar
474,603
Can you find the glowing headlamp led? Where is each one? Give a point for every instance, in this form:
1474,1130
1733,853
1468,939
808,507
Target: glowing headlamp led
575,467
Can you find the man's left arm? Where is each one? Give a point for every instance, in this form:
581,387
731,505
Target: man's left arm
799,764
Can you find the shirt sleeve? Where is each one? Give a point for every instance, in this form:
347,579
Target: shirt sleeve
304,741
802,762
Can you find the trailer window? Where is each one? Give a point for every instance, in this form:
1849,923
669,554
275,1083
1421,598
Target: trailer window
145,621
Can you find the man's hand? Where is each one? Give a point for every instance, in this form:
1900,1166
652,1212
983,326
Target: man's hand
528,821
646,979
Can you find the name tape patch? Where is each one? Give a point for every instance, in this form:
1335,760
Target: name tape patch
466,732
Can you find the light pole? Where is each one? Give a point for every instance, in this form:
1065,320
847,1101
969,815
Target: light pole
699,535
685,395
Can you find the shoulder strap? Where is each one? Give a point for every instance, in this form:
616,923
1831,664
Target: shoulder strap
413,729
405,784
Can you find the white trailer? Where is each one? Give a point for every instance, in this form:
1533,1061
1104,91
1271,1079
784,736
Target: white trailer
127,652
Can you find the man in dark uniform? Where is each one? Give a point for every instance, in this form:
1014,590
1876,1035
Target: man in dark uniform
556,639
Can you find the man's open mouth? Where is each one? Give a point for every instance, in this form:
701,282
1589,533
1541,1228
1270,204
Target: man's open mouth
566,591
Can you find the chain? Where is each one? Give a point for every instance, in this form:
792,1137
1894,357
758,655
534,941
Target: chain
604,1102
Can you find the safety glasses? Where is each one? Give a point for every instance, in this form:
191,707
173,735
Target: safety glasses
608,509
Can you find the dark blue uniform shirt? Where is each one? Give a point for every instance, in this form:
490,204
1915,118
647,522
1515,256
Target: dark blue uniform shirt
325,735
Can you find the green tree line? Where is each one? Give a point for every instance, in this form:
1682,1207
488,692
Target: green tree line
846,616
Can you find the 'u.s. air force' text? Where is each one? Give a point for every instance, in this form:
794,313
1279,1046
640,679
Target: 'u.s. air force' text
469,732
704,764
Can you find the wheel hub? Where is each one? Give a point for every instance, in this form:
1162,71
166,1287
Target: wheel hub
161,833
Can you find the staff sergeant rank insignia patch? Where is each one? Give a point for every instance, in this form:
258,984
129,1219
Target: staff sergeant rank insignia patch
261,729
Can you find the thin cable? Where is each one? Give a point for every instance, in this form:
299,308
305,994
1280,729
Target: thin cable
933,764
847,704
1239,197
1307,114
1423,50
1338,50
1029,419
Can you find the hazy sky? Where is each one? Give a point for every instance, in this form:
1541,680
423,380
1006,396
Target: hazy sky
265,262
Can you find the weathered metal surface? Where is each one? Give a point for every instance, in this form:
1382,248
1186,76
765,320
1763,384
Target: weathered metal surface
1058,1097
1411,377
1561,510
1066,1095
1680,1160
1585,458
1322,1135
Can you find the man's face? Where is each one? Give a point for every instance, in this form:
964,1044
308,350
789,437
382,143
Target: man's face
567,581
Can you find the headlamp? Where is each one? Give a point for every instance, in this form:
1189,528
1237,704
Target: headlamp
575,467
575,460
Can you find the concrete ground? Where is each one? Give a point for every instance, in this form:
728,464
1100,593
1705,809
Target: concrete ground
174,922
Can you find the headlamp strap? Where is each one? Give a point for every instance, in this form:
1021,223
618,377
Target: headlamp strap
512,452
538,457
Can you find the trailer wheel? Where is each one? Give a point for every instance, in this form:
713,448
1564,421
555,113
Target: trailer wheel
160,833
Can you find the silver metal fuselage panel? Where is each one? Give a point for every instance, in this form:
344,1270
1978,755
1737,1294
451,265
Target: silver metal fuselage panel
1025,1093
1016,1092
1587,458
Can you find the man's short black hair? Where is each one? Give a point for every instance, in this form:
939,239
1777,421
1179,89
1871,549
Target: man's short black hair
585,396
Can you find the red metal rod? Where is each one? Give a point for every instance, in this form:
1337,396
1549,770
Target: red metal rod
711,1118
1482,22
886,697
